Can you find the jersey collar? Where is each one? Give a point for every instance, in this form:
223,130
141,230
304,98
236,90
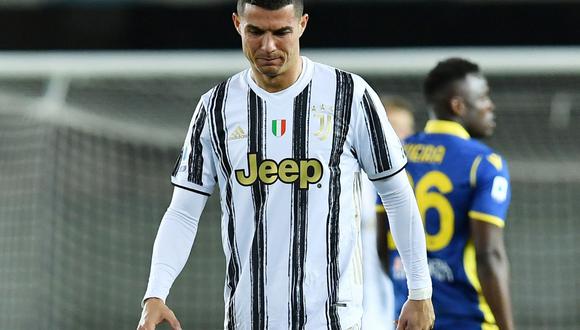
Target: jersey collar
446,127
296,88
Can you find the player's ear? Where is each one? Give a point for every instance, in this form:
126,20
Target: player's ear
303,22
237,23
457,106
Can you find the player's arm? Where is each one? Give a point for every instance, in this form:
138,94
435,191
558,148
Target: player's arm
492,194
170,252
194,179
380,154
493,270
382,232
407,230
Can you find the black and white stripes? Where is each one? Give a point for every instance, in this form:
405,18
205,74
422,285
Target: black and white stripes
219,143
299,218
177,163
342,113
257,145
380,151
195,163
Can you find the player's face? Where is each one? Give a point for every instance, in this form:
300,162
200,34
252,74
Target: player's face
270,39
479,117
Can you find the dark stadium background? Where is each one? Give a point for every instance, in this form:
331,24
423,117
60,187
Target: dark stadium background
144,25
83,187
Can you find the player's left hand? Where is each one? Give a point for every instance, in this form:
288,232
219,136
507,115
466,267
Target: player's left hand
416,315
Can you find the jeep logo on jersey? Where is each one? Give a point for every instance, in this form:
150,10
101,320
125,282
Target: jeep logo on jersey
304,171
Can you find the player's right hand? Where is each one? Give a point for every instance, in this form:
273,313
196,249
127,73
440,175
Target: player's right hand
155,312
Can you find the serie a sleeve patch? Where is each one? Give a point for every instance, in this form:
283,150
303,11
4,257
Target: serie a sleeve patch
499,190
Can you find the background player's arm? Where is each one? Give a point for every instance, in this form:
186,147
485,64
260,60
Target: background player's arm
493,270
487,219
382,232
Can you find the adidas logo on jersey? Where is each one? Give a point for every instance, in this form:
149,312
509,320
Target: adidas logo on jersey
238,134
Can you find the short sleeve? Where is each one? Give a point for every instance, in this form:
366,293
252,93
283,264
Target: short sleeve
378,148
492,190
194,169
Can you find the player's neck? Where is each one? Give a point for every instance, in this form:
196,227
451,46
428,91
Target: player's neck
273,84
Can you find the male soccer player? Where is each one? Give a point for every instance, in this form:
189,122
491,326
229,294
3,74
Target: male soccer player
463,192
284,141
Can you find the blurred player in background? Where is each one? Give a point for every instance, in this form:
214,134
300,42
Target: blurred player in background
463,191
378,298
400,114
285,141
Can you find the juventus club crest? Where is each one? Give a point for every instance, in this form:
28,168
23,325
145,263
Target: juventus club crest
278,127
325,116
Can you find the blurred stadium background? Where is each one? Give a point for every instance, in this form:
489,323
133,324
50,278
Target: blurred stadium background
88,139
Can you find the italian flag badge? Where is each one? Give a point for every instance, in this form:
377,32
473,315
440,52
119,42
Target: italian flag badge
279,127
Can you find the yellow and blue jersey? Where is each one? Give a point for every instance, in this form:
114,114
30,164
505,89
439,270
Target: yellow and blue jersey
455,178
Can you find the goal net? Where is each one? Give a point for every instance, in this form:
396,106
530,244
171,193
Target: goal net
87,143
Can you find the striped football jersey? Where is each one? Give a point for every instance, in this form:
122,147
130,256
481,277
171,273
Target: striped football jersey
287,165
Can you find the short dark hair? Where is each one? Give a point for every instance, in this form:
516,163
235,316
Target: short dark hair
440,85
272,5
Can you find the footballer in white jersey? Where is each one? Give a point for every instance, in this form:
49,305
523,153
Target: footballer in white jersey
269,152
288,165
285,141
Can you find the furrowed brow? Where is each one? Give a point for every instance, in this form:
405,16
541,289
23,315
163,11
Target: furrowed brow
284,29
253,28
